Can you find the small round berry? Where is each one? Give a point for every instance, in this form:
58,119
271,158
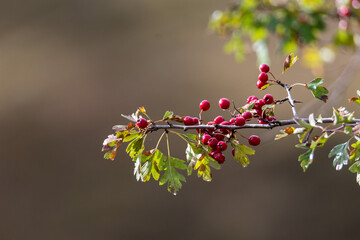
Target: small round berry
246,115
251,99
141,123
221,146
264,68
259,104
219,157
224,103
269,99
271,119
212,142
254,140
224,123
213,152
219,119
218,135
232,121
195,121
263,77
205,138
260,84
188,121
262,121
204,105
239,121
259,112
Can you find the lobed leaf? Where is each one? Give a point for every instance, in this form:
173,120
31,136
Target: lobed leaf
317,90
242,152
340,154
171,176
135,147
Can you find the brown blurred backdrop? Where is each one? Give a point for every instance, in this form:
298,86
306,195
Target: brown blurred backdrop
68,69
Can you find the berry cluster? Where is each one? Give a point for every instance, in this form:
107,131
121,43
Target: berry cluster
263,77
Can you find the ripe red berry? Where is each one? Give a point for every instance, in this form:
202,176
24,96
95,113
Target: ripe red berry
259,104
213,152
219,119
195,121
251,99
269,99
262,121
212,142
254,140
263,77
221,146
224,103
219,135
232,121
219,157
260,84
239,121
141,123
246,115
205,105
271,119
205,138
264,68
188,121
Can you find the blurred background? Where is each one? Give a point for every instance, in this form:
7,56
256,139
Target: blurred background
68,69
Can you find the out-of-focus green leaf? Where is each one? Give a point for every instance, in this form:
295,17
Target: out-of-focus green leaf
317,90
340,154
236,46
242,152
344,38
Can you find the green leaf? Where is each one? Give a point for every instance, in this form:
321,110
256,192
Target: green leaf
289,61
242,152
355,152
305,124
341,115
340,154
355,167
348,130
171,176
318,91
355,100
306,159
312,121
151,166
131,137
135,147
167,114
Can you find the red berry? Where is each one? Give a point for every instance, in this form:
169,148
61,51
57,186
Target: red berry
212,142
205,138
271,119
260,84
259,112
213,152
232,121
262,121
195,121
264,68
205,105
219,119
251,99
247,115
221,146
259,103
233,152
224,103
224,123
219,157
263,77
141,123
268,98
188,121
218,135
254,140
239,121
